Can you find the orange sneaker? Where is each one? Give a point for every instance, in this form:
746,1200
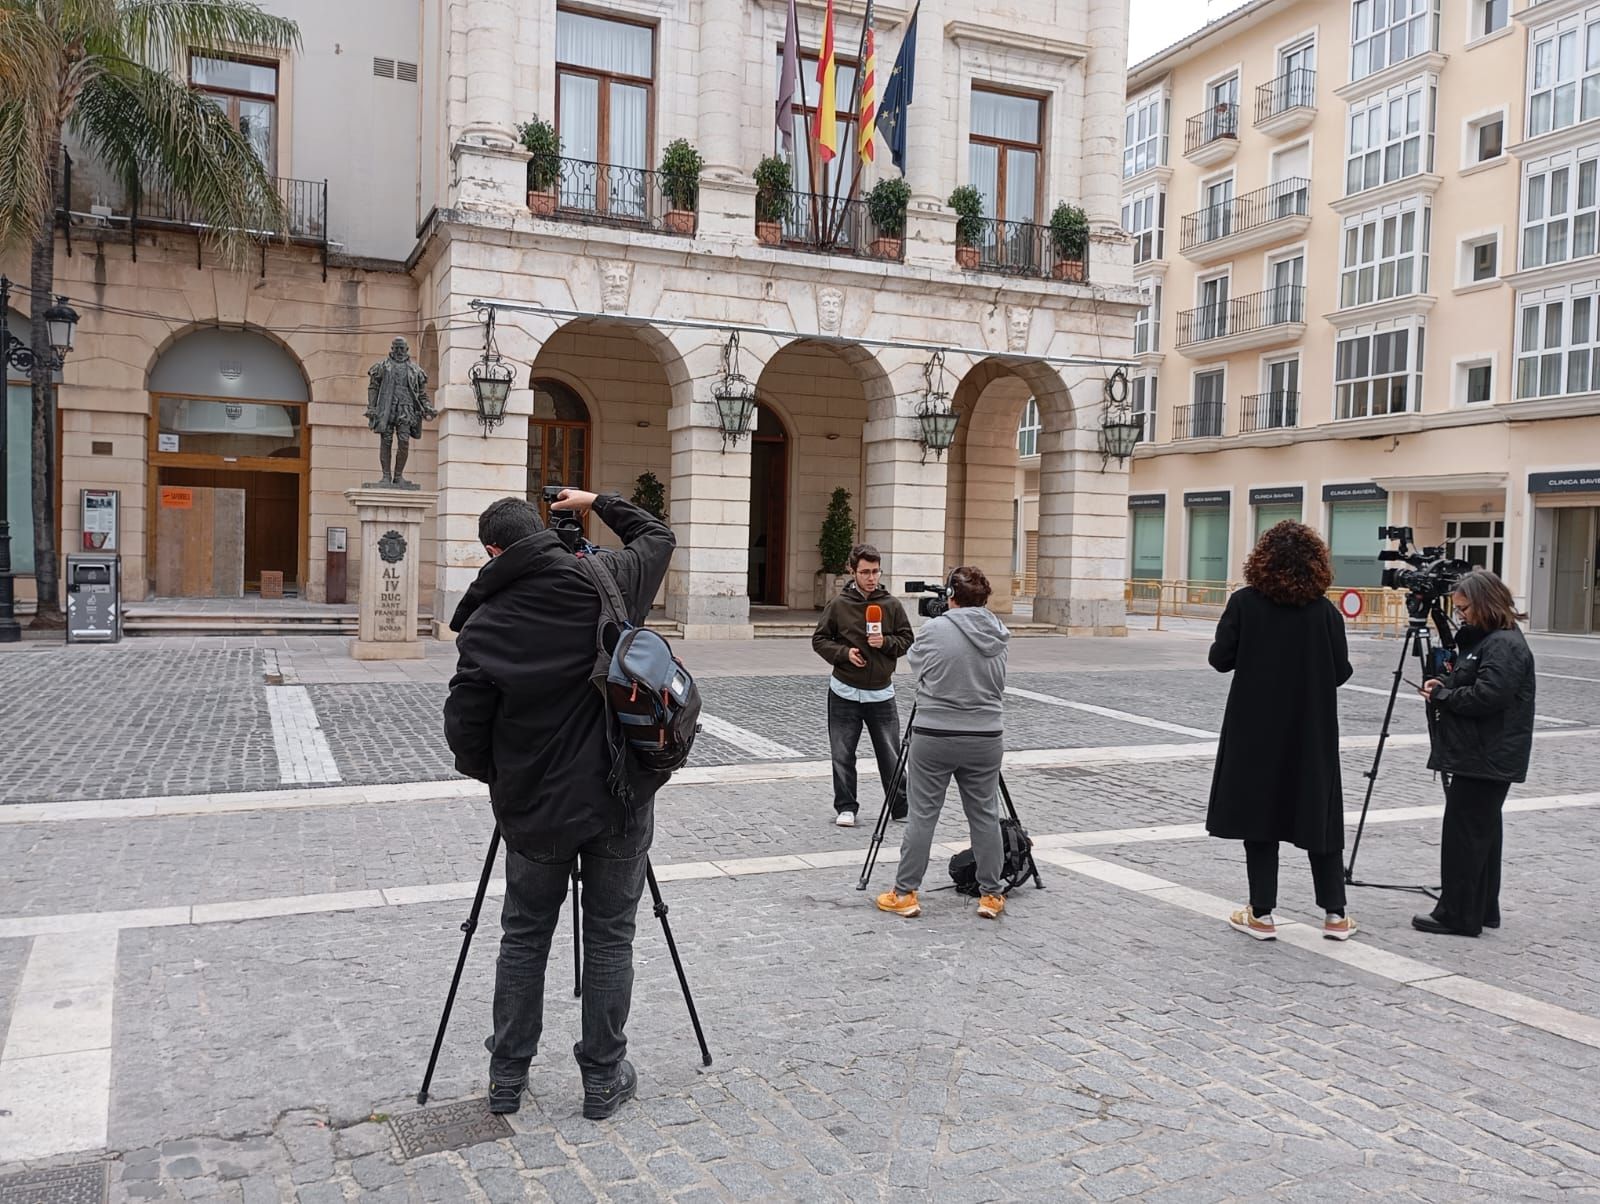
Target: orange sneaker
1245,921
990,906
900,905
1339,930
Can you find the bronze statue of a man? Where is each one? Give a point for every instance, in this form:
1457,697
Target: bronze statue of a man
397,404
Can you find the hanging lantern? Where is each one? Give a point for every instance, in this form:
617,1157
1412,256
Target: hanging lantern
491,379
935,417
734,395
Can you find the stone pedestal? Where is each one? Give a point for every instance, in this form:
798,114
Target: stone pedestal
391,543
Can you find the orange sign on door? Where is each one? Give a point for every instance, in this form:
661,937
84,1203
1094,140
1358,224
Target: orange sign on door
173,498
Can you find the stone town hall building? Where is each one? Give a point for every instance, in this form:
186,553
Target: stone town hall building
396,146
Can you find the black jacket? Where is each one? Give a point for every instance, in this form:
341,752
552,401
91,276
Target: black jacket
522,714
1483,710
843,626
1277,774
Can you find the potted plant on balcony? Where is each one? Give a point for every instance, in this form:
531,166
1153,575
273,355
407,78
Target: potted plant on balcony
837,537
1069,235
680,185
544,168
886,205
774,183
967,202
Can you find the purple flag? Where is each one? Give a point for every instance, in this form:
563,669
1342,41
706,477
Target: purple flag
788,79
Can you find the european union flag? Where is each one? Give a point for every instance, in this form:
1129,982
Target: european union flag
897,95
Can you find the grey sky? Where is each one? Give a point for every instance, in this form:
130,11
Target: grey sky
1156,24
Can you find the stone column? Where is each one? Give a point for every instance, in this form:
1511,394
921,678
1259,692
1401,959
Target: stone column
1104,103
930,144
490,166
1083,526
391,536
727,193
904,510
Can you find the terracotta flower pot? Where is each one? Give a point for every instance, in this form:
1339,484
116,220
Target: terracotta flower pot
1068,269
967,257
769,234
884,247
543,204
679,221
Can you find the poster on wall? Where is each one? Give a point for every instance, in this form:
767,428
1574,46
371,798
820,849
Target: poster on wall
166,442
99,508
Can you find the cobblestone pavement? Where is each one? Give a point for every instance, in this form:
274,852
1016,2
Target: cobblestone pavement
1096,1043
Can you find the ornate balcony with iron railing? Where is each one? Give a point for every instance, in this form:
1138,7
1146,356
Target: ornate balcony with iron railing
604,194
1212,136
1202,420
1262,319
828,225
1021,249
1271,214
1278,409
1288,103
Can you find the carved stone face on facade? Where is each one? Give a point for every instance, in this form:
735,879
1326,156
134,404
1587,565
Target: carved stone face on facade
615,279
1019,320
830,310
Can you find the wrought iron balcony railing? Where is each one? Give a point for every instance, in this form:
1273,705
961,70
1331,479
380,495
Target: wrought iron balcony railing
607,195
1021,249
1295,89
1202,420
1286,198
1219,121
835,226
1242,315
1274,410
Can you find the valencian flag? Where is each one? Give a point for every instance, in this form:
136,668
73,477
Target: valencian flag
897,95
825,134
868,112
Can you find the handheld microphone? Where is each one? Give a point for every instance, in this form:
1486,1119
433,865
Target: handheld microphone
874,619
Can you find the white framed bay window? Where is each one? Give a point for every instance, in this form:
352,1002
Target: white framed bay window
1377,369
1561,207
1385,32
1147,323
1390,135
1144,217
1564,72
1557,349
1385,254
1144,137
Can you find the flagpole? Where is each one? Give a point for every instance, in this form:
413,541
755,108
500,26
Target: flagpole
811,155
837,213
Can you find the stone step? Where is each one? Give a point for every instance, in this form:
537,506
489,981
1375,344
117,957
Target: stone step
174,623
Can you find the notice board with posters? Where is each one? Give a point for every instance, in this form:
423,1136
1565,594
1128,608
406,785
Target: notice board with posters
199,542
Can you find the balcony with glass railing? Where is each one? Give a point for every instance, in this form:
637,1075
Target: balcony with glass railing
1265,319
1276,213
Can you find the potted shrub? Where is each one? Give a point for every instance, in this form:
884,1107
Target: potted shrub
886,205
1069,235
774,182
650,495
544,168
837,538
680,185
967,201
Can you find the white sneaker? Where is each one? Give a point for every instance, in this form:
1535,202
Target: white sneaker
847,819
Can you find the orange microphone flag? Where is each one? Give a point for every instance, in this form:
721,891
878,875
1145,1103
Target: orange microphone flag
825,125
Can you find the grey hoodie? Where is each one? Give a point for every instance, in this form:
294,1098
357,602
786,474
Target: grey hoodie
959,661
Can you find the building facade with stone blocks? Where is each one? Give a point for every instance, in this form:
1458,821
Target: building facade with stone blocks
615,294
1365,234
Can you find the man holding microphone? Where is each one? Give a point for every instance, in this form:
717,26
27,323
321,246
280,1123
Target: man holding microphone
862,633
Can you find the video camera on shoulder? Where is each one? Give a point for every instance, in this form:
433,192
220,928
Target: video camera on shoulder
567,524
937,601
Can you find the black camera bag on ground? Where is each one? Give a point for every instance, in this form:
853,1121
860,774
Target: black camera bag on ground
1014,871
650,695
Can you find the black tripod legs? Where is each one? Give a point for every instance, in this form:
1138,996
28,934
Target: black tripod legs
660,908
577,937
890,793
1011,809
468,926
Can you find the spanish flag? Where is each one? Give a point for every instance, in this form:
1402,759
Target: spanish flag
868,113
825,134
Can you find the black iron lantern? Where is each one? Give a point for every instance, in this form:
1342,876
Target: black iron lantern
734,394
491,380
1120,428
61,321
935,416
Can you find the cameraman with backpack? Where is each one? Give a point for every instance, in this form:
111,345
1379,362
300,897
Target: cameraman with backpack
523,717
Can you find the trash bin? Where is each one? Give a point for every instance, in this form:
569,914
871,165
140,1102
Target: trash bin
94,599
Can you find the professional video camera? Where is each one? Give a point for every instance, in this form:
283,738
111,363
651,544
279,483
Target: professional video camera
1431,578
567,524
935,605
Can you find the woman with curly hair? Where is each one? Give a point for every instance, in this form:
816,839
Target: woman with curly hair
1277,775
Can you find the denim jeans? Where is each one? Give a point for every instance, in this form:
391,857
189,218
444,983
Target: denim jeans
844,736
613,879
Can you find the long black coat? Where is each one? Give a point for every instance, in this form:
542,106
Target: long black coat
1483,708
1277,775
522,714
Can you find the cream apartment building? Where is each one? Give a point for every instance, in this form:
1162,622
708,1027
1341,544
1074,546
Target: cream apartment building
1365,231
396,141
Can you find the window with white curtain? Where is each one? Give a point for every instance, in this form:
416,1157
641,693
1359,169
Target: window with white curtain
1147,324
605,75
1557,348
838,174
1142,395
1390,136
1144,135
1144,216
1005,151
1385,32
1378,370
1563,75
1385,255
1559,210
1028,430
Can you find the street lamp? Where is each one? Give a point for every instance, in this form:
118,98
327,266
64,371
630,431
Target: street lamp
491,380
1120,428
60,322
734,395
934,414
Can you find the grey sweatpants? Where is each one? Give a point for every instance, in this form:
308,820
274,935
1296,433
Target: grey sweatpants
974,762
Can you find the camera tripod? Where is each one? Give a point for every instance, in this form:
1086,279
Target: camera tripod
470,925
1419,643
881,828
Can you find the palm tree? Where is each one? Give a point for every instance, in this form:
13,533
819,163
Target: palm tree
109,73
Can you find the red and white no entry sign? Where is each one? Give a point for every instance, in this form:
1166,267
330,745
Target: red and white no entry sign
1350,603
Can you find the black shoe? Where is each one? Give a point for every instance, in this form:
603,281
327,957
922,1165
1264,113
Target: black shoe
1430,923
600,1100
1494,923
899,817
506,1097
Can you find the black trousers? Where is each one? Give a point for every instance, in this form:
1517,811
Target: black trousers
1469,855
1261,863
